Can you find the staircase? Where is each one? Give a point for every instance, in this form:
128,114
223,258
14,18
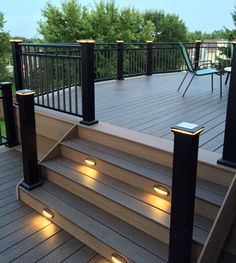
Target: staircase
99,183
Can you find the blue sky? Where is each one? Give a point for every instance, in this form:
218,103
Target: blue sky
205,15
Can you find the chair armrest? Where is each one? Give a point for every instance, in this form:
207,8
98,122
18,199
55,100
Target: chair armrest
199,61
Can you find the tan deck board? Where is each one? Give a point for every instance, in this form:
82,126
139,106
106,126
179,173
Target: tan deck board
26,236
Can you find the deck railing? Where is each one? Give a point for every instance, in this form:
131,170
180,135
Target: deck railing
8,134
55,71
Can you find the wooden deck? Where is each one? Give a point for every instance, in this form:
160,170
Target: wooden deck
151,104
26,236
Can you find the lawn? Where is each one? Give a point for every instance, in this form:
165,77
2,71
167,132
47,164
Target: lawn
2,127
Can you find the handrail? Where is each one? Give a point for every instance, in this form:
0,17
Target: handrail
50,44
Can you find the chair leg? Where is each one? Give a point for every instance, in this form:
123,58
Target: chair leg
227,77
182,81
188,85
212,83
221,85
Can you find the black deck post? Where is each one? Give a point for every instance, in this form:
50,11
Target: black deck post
16,53
9,115
120,59
149,44
25,99
197,53
88,93
183,191
229,149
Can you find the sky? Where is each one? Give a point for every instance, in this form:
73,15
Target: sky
205,15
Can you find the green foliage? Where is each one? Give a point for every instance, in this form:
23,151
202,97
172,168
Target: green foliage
4,51
105,22
65,24
167,27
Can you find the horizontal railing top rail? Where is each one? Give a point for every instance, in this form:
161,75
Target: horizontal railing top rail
50,44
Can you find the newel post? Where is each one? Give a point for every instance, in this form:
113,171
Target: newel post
16,55
9,115
120,59
25,99
197,53
229,148
88,92
183,191
149,44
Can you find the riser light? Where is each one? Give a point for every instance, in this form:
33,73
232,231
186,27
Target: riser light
48,213
161,190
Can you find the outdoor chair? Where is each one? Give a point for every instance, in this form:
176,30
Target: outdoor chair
228,69
203,69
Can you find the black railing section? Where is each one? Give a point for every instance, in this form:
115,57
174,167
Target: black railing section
54,71
8,134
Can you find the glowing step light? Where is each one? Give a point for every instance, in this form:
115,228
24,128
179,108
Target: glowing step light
117,259
89,161
161,190
48,213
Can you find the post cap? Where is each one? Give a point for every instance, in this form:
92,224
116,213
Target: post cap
198,41
149,41
5,83
16,40
187,128
25,92
119,41
85,41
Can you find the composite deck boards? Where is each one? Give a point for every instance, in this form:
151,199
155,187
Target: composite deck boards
152,104
26,236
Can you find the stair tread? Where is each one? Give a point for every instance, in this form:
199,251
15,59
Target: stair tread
205,190
124,238
151,207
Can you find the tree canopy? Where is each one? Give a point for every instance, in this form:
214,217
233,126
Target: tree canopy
167,27
105,22
4,51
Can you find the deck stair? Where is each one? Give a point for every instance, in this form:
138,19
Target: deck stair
112,206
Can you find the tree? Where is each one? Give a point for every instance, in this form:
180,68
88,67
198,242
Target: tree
65,24
4,51
104,22
167,27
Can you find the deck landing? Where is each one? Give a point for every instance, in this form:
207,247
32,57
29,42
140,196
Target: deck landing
151,104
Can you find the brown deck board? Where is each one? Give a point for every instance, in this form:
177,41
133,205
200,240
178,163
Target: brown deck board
152,105
26,236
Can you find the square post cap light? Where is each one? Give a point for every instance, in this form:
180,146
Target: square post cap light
187,128
25,92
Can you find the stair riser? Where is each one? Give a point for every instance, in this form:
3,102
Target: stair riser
156,150
71,228
201,207
146,225
116,172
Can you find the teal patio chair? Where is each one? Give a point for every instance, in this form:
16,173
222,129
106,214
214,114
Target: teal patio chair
199,71
228,69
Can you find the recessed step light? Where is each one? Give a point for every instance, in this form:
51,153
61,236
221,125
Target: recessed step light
117,259
161,190
48,213
90,161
